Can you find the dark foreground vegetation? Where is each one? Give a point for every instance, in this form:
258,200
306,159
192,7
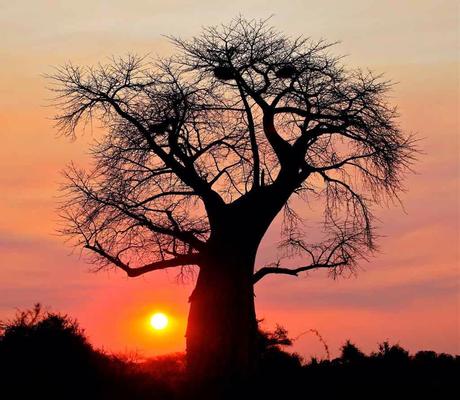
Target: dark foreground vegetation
46,355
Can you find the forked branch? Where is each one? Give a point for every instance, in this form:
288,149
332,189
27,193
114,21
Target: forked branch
182,260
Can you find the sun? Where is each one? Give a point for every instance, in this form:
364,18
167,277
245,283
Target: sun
159,321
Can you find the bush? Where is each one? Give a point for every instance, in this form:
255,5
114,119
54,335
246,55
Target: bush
350,354
47,355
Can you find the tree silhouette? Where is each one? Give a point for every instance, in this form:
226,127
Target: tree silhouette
203,150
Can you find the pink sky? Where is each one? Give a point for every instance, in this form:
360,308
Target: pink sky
408,293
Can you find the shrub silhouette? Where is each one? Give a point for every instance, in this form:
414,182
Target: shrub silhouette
43,345
169,369
389,372
393,354
351,354
47,355
273,359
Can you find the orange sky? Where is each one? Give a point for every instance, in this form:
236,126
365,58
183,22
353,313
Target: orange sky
409,293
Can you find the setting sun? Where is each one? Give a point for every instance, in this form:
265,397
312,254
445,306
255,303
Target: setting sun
159,321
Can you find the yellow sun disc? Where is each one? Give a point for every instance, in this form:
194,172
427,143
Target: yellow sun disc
159,321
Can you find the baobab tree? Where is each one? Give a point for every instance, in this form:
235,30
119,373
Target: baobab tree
201,152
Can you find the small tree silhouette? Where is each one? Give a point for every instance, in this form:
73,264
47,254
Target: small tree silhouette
203,150
46,350
47,355
392,353
274,361
351,354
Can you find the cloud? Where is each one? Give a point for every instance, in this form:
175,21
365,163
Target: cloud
356,296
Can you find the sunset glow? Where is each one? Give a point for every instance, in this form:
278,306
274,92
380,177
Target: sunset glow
408,293
159,321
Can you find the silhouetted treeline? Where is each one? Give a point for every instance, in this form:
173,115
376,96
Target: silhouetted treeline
47,355
390,372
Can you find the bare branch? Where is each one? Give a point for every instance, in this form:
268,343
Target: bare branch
294,271
191,259
209,146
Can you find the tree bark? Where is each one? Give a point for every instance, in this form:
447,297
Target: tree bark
222,326
221,337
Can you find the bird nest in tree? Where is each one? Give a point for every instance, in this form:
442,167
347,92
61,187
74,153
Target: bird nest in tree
161,127
224,73
286,71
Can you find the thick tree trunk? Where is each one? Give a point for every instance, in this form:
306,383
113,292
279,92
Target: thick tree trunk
222,327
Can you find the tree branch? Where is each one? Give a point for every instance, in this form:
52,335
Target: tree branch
258,275
181,260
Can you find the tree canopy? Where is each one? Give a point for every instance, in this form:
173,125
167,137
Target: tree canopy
240,114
